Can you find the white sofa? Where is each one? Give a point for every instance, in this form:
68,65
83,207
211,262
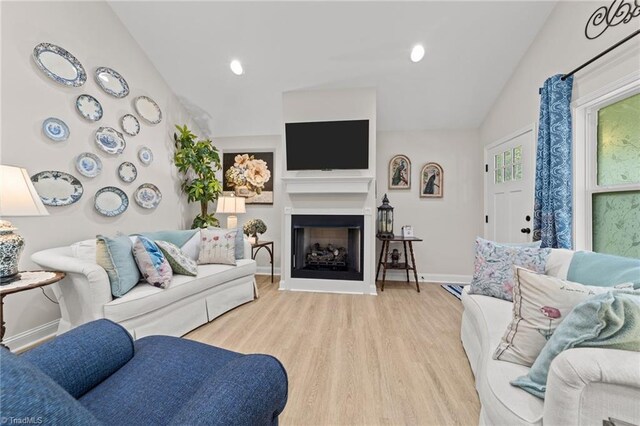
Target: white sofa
85,295
585,385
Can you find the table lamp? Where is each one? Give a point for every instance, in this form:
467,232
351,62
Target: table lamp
18,197
231,205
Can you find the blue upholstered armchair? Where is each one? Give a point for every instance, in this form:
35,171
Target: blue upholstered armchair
96,374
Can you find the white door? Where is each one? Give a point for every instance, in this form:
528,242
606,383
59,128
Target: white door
509,188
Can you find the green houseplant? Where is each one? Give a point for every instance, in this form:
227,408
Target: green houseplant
198,161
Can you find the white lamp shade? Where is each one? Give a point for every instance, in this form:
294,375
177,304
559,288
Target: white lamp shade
18,197
231,205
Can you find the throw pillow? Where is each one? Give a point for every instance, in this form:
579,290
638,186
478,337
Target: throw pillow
493,267
180,262
115,256
603,270
217,246
540,304
239,242
154,266
609,320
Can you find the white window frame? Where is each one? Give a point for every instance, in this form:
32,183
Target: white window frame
585,140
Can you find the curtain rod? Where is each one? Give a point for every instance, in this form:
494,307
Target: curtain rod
624,40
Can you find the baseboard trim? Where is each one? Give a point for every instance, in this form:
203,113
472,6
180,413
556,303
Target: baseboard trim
29,338
428,278
266,270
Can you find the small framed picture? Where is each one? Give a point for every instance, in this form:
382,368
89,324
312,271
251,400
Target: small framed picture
407,231
400,172
431,181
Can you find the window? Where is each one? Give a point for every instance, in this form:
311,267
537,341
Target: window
508,165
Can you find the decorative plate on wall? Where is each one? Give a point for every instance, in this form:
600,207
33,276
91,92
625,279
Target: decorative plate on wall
88,164
148,109
111,82
130,124
111,201
89,107
147,196
59,65
57,188
110,140
145,155
55,129
127,172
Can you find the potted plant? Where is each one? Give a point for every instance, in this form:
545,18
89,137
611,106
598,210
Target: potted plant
254,227
198,161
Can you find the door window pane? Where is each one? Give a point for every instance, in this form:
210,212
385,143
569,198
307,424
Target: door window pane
498,176
507,158
517,171
517,154
619,142
507,173
497,161
616,223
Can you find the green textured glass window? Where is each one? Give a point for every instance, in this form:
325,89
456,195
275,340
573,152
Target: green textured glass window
498,175
616,223
619,142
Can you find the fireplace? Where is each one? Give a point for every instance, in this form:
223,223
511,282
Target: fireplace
327,247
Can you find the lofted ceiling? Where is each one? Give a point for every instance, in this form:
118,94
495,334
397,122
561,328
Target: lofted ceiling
472,48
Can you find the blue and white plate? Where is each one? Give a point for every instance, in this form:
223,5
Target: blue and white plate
148,196
59,65
111,201
127,172
55,129
89,107
145,155
57,188
130,125
88,164
110,140
112,82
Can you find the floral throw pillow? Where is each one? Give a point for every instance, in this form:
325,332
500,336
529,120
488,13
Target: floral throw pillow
153,265
179,261
493,267
217,246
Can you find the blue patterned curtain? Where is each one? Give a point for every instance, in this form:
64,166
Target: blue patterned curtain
552,219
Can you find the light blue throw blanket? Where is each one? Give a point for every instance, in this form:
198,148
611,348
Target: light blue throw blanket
609,320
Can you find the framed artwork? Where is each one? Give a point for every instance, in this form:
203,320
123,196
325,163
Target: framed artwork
249,175
431,181
400,172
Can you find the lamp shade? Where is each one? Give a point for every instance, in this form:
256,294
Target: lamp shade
18,197
231,205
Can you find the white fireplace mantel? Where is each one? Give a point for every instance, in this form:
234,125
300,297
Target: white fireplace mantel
327,184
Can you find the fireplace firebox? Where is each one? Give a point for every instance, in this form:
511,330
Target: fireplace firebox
328,247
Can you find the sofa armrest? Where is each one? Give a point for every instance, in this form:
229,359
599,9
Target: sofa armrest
588,385
82,358
84,292
248,390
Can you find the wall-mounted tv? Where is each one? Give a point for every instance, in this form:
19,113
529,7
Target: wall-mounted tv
327,145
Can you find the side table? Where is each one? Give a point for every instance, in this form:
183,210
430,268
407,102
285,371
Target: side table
268,246
27,281
384,256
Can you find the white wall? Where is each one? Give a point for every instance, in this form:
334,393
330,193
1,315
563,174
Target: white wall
91,32
448,225
560,47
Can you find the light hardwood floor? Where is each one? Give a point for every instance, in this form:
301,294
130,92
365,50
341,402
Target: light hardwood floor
395,358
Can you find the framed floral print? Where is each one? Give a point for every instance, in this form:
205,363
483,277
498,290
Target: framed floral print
248,175
431,181
400,172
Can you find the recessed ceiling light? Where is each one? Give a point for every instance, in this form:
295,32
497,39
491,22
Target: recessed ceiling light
417,53
236,67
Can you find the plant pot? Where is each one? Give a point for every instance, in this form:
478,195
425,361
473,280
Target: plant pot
255,238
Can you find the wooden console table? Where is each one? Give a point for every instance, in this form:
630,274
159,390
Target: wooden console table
384,258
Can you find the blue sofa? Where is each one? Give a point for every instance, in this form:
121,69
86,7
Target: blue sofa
97,374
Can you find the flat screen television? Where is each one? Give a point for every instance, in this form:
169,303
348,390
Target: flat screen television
327,145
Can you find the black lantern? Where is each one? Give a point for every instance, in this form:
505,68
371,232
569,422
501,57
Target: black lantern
385,219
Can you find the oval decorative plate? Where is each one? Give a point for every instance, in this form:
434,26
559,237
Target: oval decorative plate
57,188
130,125
89,107
55,129
110,140
145,155
112,82
59,65
127,172
88,164
110,201
148,196
148,109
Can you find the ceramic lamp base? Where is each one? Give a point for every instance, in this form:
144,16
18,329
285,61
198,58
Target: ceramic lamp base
11,246
232,222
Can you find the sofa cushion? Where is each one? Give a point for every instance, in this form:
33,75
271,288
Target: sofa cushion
603,270
177,237
145,298
115,256
151,262
558,263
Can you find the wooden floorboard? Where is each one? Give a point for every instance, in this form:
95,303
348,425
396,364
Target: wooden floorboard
395,358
